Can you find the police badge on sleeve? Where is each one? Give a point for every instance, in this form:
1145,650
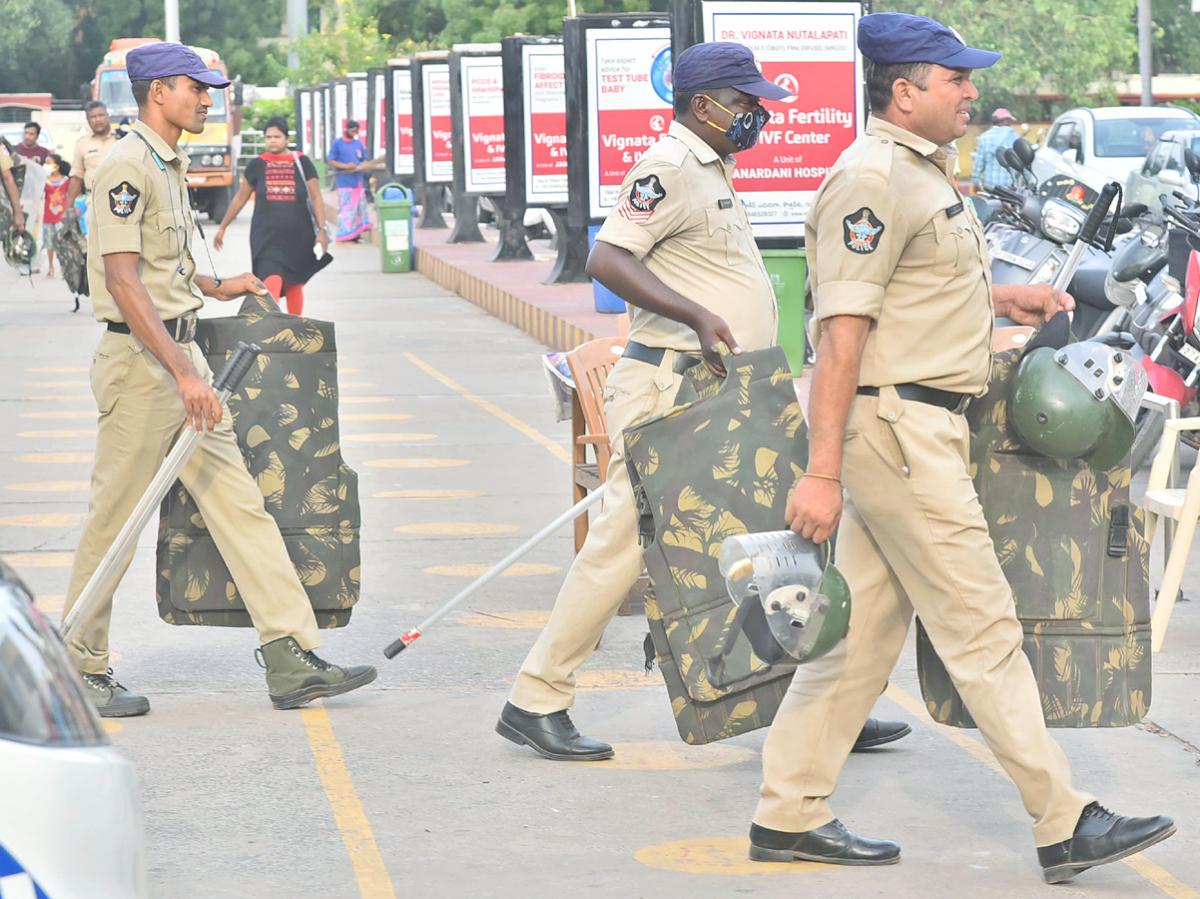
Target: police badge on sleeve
861,231
643,198
122,199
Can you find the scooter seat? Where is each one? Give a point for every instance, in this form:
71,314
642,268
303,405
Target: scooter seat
1088,284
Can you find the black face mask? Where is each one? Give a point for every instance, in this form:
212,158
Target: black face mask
744,127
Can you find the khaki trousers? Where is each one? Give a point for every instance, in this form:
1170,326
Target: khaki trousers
610,561
913,536
140,416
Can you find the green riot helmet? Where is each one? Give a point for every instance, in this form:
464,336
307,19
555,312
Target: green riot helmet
19,249
1078,402
793,604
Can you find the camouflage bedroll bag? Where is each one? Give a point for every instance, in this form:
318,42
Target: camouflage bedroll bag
285,415
71,248
720,463
1072,546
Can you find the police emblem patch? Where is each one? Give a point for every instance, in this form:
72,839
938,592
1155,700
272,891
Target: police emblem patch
122,199
861,231
645,195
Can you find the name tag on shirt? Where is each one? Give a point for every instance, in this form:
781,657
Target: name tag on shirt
952,211
726,203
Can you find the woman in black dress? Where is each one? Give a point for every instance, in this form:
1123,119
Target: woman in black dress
288,216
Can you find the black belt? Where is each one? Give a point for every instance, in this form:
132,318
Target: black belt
182,329
919,393
653,355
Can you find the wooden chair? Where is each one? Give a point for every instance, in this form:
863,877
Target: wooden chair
1181,506
590,364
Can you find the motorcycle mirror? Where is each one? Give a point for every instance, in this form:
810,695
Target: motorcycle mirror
1192,161
1133,210
1124,226
1002,157
1014,161
1024,151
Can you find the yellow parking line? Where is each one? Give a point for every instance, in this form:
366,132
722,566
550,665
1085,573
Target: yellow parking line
348,813
1145,868
492,409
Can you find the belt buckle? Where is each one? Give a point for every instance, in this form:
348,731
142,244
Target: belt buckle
185,329
961,406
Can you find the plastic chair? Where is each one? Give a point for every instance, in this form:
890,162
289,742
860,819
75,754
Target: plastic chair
1181,506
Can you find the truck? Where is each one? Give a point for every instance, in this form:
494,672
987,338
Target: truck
212,154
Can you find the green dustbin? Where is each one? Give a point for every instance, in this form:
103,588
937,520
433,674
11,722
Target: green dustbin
789,271
394,204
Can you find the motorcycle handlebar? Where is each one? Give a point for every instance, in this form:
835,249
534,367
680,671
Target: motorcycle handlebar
1096,217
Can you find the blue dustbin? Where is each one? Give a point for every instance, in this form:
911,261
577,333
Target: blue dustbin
606,300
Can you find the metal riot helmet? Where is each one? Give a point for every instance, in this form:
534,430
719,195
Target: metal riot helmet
1078,402
793,605
19,249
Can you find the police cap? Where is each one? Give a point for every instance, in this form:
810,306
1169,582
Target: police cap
888,38
723,64
162,59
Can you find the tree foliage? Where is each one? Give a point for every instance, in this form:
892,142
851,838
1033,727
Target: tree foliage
1067,47
1176,37
354,45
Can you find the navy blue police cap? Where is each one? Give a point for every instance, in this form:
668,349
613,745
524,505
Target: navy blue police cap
722,64
163,59
888,38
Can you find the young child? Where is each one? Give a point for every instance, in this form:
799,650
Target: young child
56,204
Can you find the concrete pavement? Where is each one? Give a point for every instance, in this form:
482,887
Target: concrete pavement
402,788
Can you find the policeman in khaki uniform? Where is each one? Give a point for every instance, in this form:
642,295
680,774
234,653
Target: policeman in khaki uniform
150,380
90,151
905,302
10,188
678,248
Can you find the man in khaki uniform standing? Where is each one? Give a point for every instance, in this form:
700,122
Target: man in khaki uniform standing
150,380
905,302
90,151
678,248
10,188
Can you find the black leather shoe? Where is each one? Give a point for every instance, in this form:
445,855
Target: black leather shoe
1101,837
552,736
832,844
876,733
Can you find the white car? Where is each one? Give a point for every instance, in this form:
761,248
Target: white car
1096,146
70,816
1173,165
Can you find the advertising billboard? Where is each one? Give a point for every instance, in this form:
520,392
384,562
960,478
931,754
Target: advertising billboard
439,151
628,105
483,123
545,125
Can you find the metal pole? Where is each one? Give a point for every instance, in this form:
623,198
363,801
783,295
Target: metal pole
297,27
171,19
1146,50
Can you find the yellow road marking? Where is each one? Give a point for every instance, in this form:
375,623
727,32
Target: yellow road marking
60,413
56,458
50,487
661,755
41,385
387,438
43,520
455,528
57,435
519,620
1145,868
427,494
375,416
55,371
39,560
348,813
58,398
715,855
50,604
417,463
112,727
492,409
616,679
475,569
348,371
364,400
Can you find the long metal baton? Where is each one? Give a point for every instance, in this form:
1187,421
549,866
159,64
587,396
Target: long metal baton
101,581
1086,235
409,637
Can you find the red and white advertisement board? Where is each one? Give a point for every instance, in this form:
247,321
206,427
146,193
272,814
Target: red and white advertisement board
483,123
629,105
439,151
545,125
810,49
304,128
341,108
358,105
319,125
402,120
378,129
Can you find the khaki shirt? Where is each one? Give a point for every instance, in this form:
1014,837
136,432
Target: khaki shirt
680,215
138,207
891,238
6,160
90,151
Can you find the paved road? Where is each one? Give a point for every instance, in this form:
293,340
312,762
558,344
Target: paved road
403,788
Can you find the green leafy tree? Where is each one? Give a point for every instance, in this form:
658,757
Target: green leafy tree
1176,37
33,33
469,21
355,44
1066,47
